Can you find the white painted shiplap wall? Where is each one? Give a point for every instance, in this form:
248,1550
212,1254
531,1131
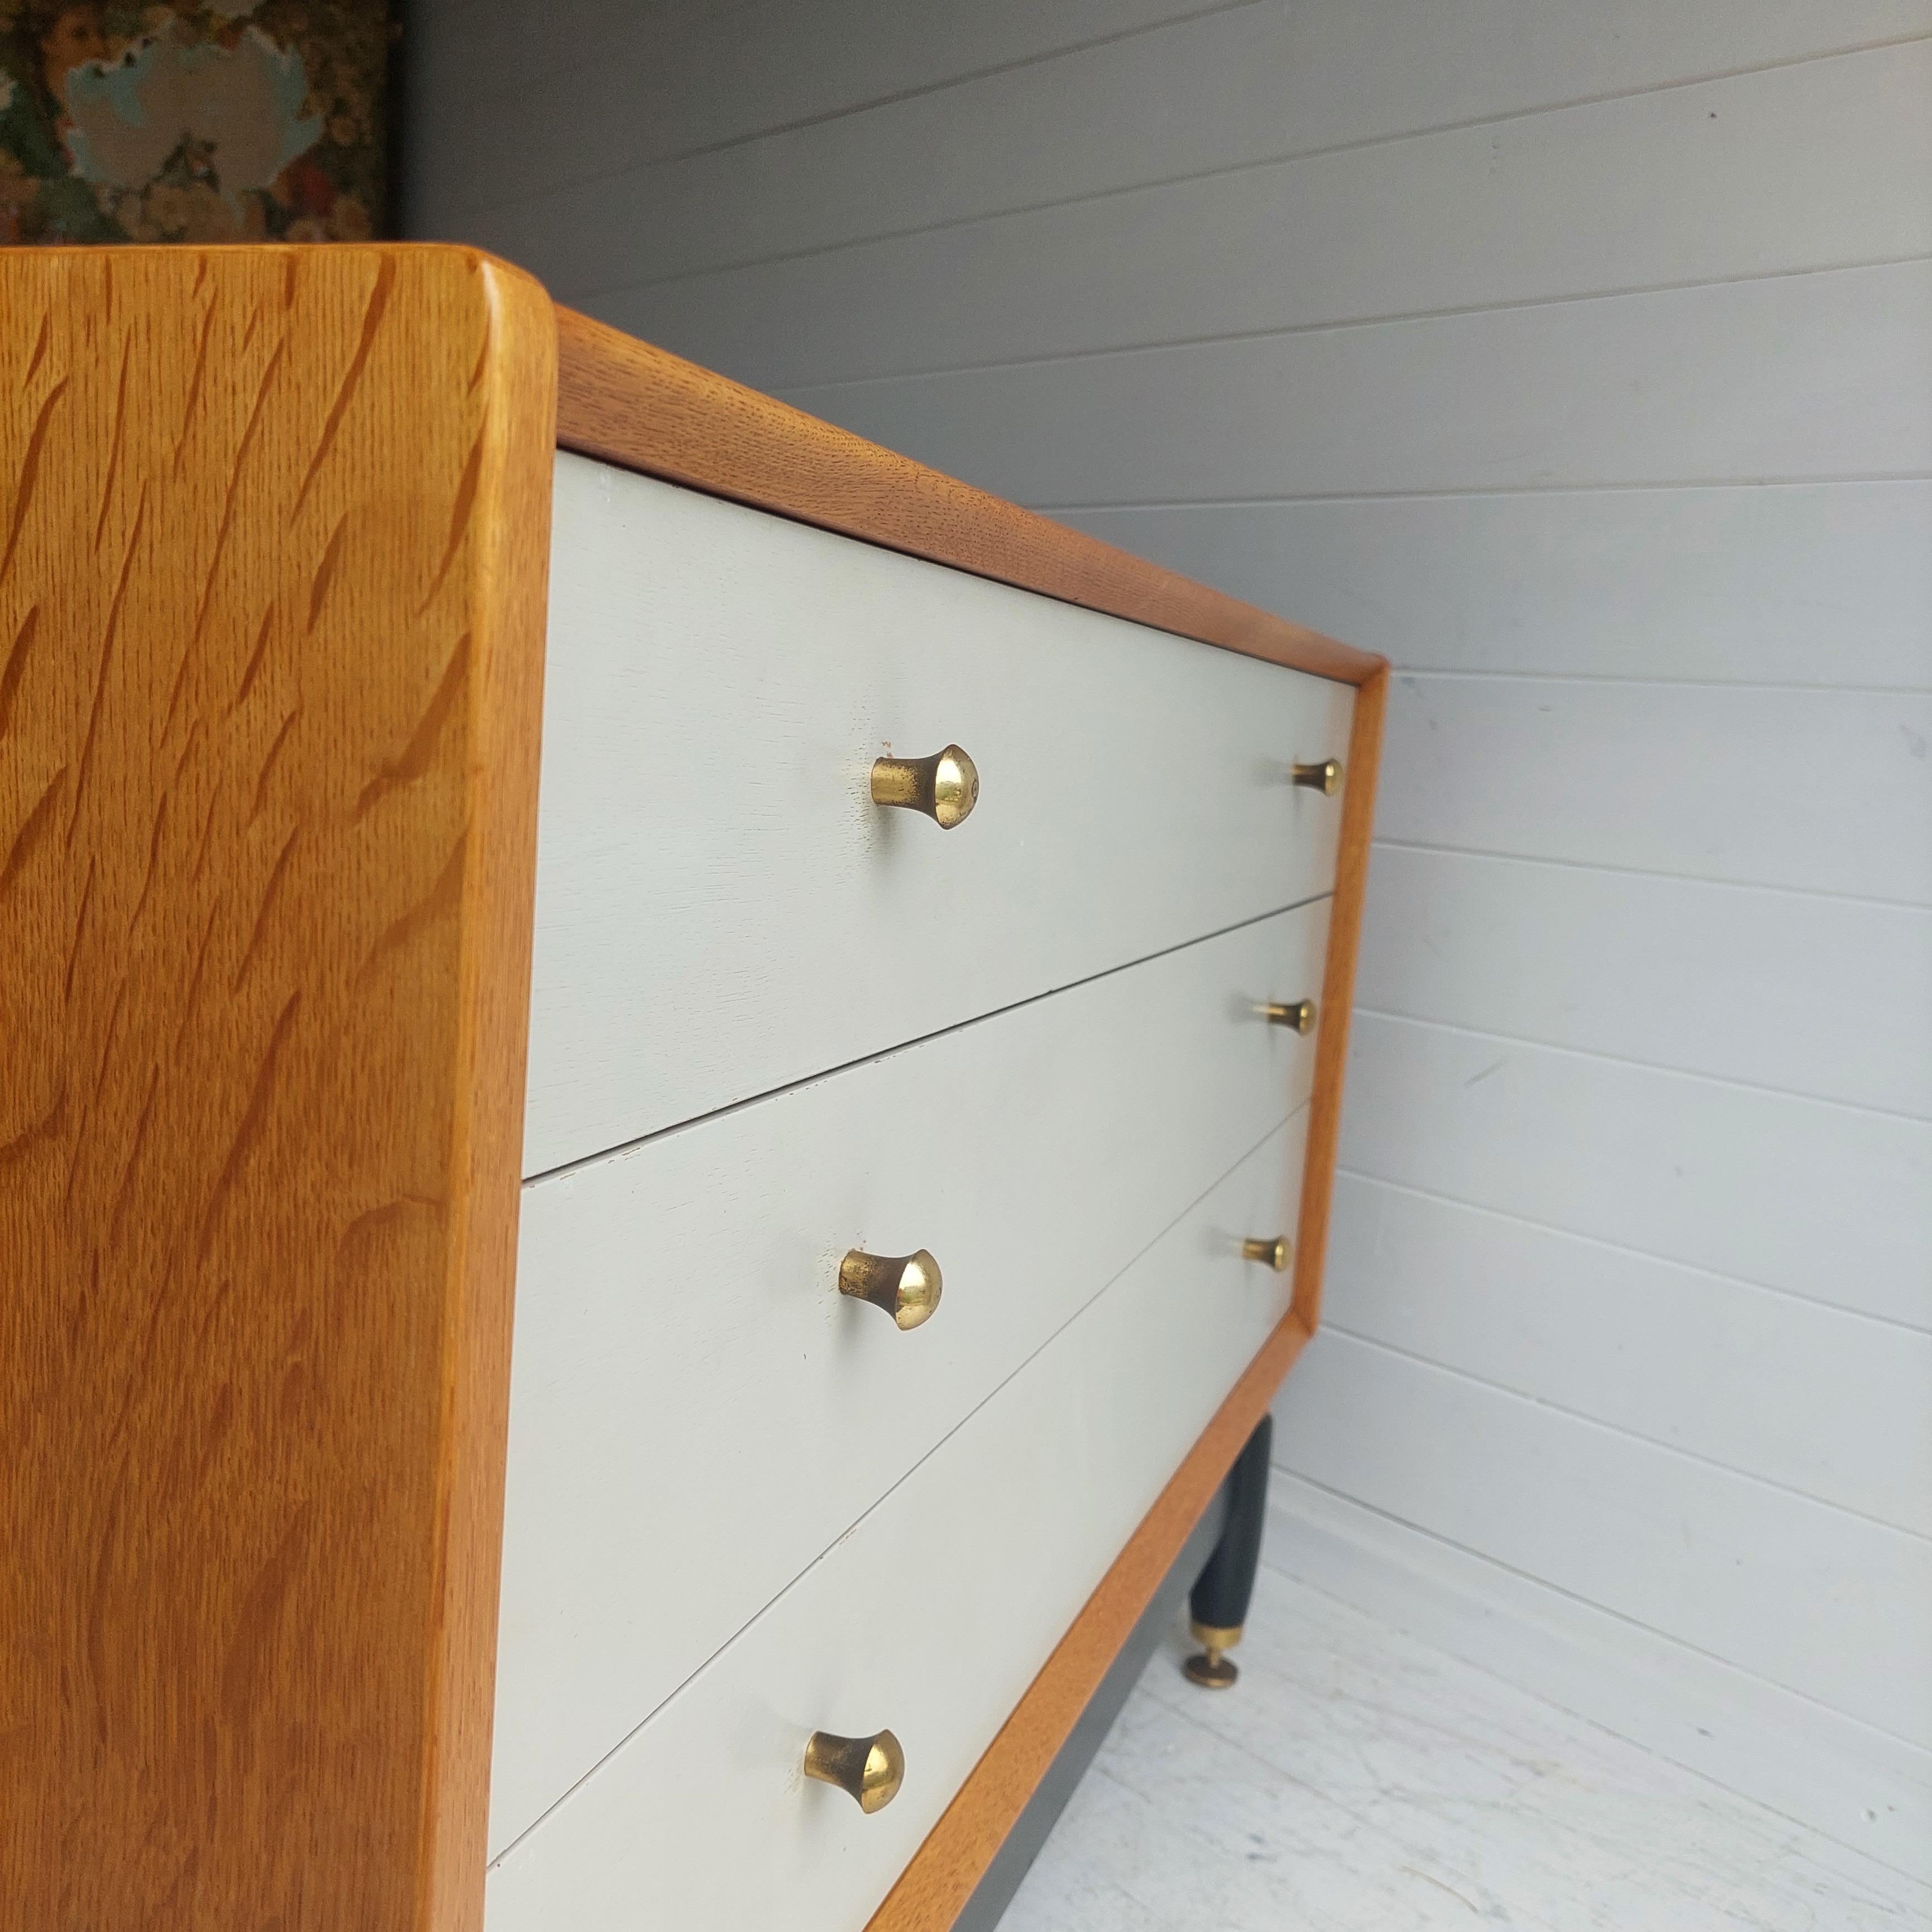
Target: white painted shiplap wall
1580,358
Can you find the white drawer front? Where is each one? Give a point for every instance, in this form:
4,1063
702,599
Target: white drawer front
696,1413
720,908
931,1618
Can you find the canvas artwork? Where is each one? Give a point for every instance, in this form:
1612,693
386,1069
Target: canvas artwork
193,120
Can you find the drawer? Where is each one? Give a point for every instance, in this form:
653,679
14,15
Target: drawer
931,1618
722,909
696,1413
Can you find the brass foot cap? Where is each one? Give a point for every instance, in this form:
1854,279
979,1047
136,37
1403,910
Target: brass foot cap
1211,1670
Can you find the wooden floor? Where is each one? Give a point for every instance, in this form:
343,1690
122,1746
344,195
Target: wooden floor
1356,1779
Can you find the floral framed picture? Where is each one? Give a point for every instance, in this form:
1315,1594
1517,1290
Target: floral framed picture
194,121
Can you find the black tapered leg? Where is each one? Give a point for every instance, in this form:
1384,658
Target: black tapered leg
1218,1606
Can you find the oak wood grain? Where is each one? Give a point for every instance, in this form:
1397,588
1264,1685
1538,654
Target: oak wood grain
934,1887
1338,995
626,402
273,540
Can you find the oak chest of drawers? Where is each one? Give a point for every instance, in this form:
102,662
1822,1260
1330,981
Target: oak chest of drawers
542,1302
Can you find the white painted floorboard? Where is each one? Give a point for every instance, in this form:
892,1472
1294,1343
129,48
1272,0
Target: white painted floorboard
1357,1780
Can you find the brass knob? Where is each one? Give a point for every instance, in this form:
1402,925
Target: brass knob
872,1769
1297,1015
1325,778
906,1286
945,786
1275,1253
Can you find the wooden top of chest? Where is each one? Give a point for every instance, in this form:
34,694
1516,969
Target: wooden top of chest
626,402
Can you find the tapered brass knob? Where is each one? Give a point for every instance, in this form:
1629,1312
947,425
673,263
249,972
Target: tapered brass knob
872,1769
1274,1252
1298,1016
1325,778
945,786
906,1286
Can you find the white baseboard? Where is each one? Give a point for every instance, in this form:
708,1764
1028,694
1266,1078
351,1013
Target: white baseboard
1842,1779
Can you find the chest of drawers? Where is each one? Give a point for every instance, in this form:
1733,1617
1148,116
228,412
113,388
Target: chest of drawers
591,1203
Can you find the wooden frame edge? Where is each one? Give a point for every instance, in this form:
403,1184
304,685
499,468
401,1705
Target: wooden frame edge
626,402
275,592
507,597
1338,996
933,1889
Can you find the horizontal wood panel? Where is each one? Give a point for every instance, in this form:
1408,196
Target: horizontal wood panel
1811,376
1803,1760
1695,183
1035,1155
1808,1597
1834,1406
1825,791
1099,123
931,1617
1537,1816
1807,994
1741,583
1819,1200
613,85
